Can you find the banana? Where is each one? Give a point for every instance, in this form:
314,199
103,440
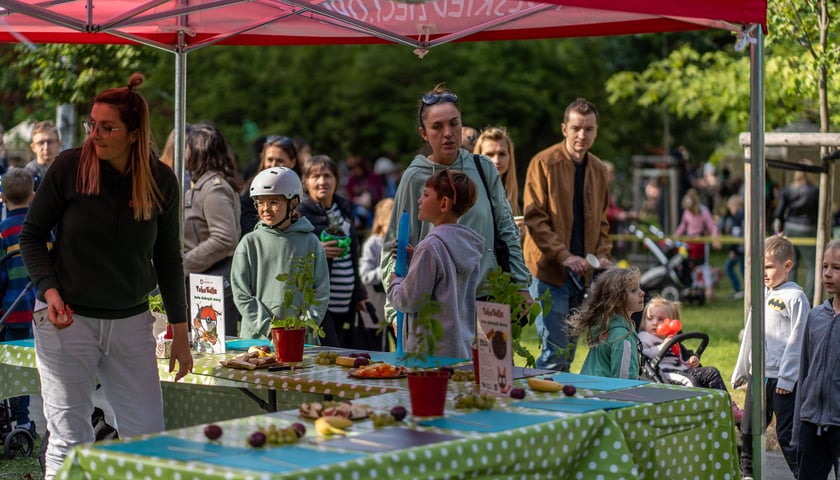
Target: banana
345,361
328,426
543,385
260,353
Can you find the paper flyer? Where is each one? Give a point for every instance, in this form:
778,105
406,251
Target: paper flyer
207,311
495,357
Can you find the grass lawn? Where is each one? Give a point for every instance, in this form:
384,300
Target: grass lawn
722,319
23,468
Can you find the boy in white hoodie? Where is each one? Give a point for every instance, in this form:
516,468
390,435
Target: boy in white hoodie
785,313
445,264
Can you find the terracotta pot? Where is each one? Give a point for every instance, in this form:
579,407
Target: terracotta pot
288,344
427,390
476,368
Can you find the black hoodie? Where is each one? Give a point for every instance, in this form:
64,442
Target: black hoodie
104,263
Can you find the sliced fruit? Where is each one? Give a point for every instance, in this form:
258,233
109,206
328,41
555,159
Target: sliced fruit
543,385
345,361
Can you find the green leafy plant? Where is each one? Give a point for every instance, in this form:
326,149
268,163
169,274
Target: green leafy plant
426,329
298,297
156,304
501,289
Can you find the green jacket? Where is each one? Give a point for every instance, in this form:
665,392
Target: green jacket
262,255
617,355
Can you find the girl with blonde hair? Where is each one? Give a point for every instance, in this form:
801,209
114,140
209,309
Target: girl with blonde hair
495,143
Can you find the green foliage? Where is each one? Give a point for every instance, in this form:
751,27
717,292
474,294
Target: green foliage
501,289
156,304
426,329
61,73
694,81
327,94
298,296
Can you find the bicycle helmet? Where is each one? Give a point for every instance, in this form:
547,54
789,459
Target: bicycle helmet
277,181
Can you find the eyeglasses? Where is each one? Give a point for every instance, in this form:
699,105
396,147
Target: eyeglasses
269,204
91,126
452,186
45,143
435,98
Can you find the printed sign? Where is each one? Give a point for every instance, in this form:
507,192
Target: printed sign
495,358
207,311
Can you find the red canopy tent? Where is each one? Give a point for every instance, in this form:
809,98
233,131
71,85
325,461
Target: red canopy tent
180,26
296,22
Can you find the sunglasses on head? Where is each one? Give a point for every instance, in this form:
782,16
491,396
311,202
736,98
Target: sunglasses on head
435,98
283,140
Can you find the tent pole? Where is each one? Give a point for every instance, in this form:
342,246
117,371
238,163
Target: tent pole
756,245
180,119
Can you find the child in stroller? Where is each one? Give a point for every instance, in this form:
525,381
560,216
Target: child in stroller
665,359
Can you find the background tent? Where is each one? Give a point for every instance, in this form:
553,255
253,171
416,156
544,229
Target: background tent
180,26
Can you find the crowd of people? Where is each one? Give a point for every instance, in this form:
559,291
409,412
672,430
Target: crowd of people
111,207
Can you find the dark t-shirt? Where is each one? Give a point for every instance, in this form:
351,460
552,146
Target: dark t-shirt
576,246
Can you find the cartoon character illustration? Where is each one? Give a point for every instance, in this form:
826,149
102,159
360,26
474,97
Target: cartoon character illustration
501,371
205,324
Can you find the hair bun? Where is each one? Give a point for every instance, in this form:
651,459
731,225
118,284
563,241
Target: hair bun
135,81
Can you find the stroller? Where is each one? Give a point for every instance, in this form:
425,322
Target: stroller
673,276
17,442
651,369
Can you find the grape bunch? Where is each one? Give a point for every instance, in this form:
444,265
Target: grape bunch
381,420
461,375
326,358
483,401
282,436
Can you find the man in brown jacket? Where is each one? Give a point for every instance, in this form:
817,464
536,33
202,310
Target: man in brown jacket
566,200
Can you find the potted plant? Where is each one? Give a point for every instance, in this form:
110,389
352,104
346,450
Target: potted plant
426,386
501,289
161,329
289,324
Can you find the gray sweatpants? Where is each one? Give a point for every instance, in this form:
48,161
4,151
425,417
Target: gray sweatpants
120,355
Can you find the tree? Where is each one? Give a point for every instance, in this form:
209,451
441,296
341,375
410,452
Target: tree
53,74
714,83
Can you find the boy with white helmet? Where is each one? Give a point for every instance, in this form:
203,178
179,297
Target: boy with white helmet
266,252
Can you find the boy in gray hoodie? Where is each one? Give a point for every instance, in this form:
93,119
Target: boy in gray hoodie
818,418
786,309
444,265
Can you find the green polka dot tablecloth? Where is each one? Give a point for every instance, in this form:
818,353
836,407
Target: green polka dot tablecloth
315,379
18,375
691,438
686,439
585,446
